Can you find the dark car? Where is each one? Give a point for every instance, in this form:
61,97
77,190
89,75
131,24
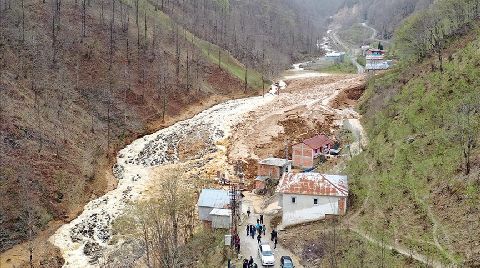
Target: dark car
286,262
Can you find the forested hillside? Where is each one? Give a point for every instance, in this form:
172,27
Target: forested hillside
418,182
264,34
382,15
80,79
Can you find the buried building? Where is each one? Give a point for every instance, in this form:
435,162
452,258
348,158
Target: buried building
306,197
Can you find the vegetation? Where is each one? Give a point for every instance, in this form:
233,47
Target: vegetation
417,181
425,32
355,35
361,60
329,244
385,16
345,67
164,232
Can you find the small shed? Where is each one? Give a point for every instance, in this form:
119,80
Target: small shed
274,167
210,199
221,218
261,182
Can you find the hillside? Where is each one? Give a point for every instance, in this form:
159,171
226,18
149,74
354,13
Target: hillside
385,16
417,184
78,81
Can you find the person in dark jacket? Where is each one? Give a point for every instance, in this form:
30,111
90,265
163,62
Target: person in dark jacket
245,263
250,262
248,229
259,239
248,212
275,242
252,231
261,219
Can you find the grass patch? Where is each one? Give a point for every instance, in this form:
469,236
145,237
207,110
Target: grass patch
361,60
345,67
355,35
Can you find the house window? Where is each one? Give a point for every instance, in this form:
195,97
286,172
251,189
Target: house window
315,201
294,199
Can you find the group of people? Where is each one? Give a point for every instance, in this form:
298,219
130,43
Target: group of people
258,229
249,263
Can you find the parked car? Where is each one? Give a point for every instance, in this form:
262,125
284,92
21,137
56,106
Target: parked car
266,255
286,262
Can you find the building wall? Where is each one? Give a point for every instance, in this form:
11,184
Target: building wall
204,213
221,222
302,156
304,209
272,171
260,185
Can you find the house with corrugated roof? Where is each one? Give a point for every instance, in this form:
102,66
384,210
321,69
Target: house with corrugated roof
305,154
214,208
310,196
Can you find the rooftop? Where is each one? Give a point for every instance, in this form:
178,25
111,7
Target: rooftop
221,212
318,141
279,162
311,183
214,198
262,178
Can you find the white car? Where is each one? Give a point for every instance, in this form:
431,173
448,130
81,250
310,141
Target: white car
266,255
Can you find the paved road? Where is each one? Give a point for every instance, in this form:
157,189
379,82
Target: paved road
249,246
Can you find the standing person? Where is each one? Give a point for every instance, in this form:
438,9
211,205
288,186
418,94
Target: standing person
259,239
250,262
245,263
272,235
264,229
275,242
248,229
258,221
261,218
259,229
248,212
252,231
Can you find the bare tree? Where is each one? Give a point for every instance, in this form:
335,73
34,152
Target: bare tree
468,127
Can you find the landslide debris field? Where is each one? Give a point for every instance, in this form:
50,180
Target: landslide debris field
304,109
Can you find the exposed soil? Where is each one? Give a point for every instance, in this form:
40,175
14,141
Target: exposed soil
348,98
299,112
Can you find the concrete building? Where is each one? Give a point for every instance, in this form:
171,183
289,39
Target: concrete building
221,218
375,60
305,154
336,57
306,197
209,200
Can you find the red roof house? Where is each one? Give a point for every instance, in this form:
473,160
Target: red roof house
305,153
311,196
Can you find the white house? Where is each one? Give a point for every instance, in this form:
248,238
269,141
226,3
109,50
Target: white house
306,197
221,218
216,201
